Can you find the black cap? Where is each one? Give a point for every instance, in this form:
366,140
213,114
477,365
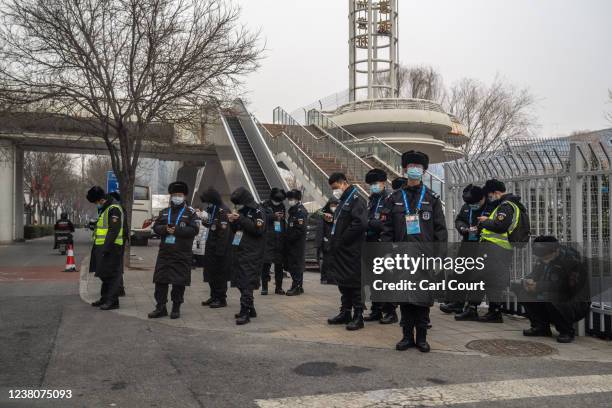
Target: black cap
398,182
375,176
178,187
277,194
242,196
211,196
95,193
414,157
494,185
544,245
294,194
472,194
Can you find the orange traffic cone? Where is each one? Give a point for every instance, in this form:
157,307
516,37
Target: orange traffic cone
70,264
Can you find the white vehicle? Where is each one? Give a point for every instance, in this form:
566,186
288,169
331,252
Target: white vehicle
142,216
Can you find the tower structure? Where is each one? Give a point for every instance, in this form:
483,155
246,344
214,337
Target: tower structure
373,49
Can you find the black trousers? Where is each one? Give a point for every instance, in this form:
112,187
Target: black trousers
278,274
177,293
218,290
383,307
246,298
542,314
414,316
109,292
350,298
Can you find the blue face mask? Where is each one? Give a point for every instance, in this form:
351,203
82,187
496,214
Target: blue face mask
99,206
414,173
376,189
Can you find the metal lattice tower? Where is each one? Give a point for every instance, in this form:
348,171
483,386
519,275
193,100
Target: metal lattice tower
373,51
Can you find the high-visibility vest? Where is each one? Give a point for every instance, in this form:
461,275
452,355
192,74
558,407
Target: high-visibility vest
102,227
502,239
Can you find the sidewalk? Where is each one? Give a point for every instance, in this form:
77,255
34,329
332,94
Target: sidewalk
303,318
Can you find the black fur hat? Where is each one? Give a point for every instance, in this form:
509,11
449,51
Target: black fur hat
472,194
398,182
211,196
375,175
178,187
414,157
277,194
494,185
242,196
544,245
95,193
294,194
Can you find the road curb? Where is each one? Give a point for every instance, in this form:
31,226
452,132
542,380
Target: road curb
84,280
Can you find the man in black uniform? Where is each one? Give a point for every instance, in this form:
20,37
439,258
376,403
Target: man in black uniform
217,247
508,219
177,226
275,235
63,226
350,222
384,312
110,237
249,227
398,183
324,239
414,214
296,241
560,278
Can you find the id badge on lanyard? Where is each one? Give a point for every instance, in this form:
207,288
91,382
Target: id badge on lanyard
277,226
237,238
472,236
339,210
413,226
376,209
171,239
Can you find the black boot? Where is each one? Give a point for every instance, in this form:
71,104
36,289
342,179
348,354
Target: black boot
407,341
567,337
357,322
374,316
451,307
264,288
243,316
537,332
492,316
279,290
176,310
389,318
341,318
469,314
208,301
252,312
160,311
110,306
98,303
295,290
421,340
217,303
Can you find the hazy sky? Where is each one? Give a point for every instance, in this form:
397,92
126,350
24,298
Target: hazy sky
560,49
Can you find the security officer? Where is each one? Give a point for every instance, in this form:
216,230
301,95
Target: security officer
217,247
110,237
556,290
350,222
275,245
508,217
414,214
248,224
63,226
383,312
177,226
324,239
296,241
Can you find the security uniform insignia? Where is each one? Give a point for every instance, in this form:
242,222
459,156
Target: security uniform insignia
426,215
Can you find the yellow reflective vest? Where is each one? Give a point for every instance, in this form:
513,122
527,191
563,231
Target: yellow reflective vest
102,227
502,239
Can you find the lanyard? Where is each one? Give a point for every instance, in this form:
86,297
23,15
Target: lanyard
420,203
212,217
337,212
177,218
377,206
470,218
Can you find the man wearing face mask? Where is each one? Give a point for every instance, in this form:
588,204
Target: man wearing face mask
414,214
110,236
324,239
506,225
248,223
296,241
382,312
218,242
177,226
349,224
275,235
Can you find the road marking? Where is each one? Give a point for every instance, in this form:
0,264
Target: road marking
452,394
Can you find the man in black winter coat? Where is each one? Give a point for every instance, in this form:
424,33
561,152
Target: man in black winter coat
274,253
323,238
177,226
414,214
218,241
383,312
295,248
248,224
350,222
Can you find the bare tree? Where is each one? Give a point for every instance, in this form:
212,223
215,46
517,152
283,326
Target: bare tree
609,114
420,82
124,63
492,114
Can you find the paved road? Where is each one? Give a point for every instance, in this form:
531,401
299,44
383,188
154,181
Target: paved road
50,339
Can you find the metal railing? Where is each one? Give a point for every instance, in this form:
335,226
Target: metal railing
325,147
390,103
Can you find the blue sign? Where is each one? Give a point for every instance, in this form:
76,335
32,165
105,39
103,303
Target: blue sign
112,184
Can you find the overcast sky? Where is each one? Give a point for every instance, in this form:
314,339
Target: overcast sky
560,49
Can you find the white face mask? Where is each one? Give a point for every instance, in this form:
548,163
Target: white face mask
333,208
177,200
292,202
276,202
337,193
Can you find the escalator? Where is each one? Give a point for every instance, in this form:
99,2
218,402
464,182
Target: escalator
250,160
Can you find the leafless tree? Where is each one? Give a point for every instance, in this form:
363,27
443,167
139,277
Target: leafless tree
420,82
126,64
609,114
492,114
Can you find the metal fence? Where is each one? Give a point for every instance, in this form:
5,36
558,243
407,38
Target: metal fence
565,187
